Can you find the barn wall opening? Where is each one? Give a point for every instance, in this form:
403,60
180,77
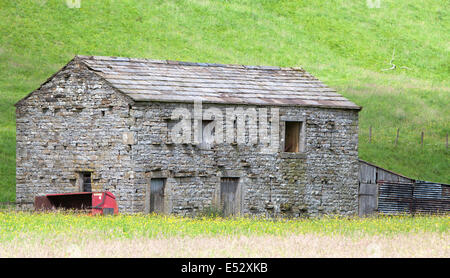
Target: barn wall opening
293,137
207,136
85,181
228,195
157,186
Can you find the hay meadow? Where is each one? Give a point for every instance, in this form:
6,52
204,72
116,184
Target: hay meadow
68,234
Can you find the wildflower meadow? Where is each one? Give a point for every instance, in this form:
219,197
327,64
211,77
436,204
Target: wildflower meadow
68,234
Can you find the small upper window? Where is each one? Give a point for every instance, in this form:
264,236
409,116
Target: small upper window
208,133
292,137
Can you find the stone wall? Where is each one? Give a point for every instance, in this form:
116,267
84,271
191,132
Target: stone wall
322,180
74,122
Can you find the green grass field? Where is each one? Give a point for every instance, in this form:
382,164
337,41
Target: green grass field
45,225
344,43
62,234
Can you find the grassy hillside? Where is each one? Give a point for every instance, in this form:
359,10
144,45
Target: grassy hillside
343,42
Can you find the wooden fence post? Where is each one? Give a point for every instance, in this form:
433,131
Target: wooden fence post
421,139
396,138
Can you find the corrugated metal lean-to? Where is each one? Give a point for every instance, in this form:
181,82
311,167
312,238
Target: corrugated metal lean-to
387,192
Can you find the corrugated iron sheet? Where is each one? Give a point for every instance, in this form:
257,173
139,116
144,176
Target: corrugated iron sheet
417,197
395,197
428,190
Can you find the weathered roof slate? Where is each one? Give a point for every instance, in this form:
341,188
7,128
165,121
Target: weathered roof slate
173,81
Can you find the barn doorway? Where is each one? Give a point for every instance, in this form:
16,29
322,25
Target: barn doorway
367,198
157,195
228,196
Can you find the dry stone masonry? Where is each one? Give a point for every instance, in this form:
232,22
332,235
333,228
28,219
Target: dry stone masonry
112,118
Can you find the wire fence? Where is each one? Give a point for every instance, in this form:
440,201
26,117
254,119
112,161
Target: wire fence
422,140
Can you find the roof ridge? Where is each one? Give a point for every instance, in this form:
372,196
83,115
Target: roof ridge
184,63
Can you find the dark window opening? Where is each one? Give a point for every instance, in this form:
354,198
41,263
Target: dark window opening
86,181
292,137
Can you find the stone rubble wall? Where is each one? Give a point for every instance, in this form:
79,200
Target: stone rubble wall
322,180
75,122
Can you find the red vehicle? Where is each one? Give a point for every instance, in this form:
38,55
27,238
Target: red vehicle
103,203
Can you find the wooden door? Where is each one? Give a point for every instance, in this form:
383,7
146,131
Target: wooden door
228,196
157,195
368,198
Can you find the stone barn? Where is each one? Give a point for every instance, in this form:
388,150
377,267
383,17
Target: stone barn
188,138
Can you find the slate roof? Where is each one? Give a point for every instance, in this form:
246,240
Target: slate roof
173,81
